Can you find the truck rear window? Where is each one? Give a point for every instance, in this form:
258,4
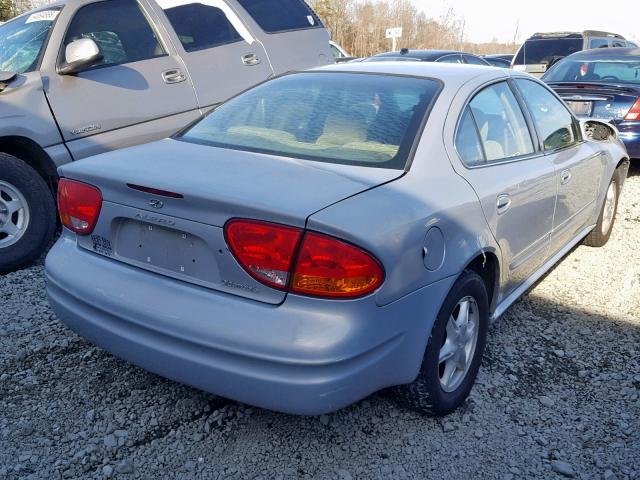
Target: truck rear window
275,16
544,50
356,119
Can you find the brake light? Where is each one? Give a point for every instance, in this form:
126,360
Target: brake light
265,250
314,264
329,267
79,205
634,113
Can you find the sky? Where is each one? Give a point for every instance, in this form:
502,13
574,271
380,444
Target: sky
489,19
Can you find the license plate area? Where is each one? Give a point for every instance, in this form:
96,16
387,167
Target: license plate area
166,250
582,109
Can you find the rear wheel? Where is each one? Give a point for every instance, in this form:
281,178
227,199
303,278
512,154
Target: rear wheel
27,214
599,236
454,351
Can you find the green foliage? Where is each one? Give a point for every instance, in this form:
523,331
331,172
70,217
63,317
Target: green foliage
11,8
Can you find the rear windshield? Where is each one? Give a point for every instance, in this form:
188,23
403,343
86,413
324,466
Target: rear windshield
356,119
545,50
570,70
275,16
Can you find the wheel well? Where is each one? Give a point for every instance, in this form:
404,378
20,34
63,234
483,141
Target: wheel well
622,160
33,155
487,266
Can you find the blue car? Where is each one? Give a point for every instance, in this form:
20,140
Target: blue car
604,84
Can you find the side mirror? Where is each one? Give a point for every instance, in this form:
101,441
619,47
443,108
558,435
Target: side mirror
80,54
6,78
598,131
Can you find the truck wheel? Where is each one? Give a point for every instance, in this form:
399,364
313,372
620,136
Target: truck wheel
454,351
27,214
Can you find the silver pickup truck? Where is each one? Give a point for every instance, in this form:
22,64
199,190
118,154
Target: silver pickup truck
82,77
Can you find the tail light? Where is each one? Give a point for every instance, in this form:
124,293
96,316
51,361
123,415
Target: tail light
634,113
307,263
79,205
265,250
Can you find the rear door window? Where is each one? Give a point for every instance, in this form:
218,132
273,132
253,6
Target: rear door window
200,25
546,50
555,124
468,140
451,59
473,60
500,122
119,28
275,16
599,43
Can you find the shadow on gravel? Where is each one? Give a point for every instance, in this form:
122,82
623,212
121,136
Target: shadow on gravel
634,168
552,386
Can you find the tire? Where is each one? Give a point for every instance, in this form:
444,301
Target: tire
427,394
599,236
27,214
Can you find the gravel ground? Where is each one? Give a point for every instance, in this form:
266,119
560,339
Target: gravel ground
558,396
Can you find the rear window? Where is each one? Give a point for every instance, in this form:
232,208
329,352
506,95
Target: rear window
275,16
622,70
545,50
356,119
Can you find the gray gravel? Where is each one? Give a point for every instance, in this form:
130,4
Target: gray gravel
558,396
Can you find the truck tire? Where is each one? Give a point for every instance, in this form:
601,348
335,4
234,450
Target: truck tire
27,214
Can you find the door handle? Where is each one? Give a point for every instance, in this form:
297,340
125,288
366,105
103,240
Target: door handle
250,59
503,203
174,75
565,177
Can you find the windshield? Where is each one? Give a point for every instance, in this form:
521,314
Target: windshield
357,119
621,70
22,39
544,50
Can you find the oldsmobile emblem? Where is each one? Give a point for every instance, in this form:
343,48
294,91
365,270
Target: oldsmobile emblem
156,203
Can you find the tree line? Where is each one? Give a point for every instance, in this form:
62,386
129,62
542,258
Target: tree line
359,26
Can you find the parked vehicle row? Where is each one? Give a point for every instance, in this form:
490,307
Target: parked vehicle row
333,232
603,84
82,77
440,56
540,51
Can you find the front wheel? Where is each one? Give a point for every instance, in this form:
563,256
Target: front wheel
600,234
454,351
27,214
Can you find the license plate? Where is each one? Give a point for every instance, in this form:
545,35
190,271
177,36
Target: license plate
165,249
582,109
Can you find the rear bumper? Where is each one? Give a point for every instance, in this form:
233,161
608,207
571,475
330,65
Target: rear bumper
306,356
630,136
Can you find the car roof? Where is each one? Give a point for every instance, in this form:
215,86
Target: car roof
420,54
452,75
606,54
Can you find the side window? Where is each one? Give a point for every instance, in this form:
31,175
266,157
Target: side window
555,124
450,59
501,124
275,16
120,29
200,25
599,43
618,44
467,140
473,60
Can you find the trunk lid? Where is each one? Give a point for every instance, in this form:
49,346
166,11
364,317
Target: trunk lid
605,101
183,237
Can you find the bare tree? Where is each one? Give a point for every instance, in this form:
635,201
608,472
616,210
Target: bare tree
359,26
